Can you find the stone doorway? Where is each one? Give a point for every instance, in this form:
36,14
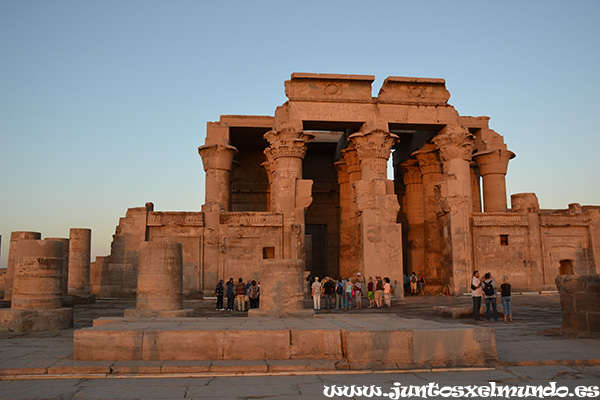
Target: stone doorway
316,249
566,267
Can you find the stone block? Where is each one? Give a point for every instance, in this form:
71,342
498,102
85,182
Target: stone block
89,344
12,320
246,366
182,345
378,346
301,365
186,367
256,345
317,343
454,347
132,312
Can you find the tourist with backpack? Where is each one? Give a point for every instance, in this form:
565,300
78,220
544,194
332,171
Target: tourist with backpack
339,293
489,294
413,284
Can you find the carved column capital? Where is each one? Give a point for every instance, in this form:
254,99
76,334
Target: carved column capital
351,159
288,142
493,161
217,156
454,142
428,159
373,149
411,175
268,163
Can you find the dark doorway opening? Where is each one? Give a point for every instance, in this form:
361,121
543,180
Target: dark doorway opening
316,249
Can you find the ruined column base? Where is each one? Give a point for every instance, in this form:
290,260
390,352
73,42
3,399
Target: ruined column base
257,312
132,312
35,320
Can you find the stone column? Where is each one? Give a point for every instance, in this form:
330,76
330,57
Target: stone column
431,173
281,289
217,160
456,144
38,274
475,188
345,268
290,194
493,165
79,262
64,284
10,266
36,295
160,281
377,206
354,175
413,182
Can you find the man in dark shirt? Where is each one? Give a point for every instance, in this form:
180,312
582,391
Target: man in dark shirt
328,290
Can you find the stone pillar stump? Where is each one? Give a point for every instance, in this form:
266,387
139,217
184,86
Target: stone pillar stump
37,290
160,281
10,266
79,261
281,290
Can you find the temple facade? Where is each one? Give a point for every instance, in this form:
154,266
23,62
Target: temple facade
311,183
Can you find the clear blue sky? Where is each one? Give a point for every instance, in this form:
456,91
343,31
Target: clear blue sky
104,103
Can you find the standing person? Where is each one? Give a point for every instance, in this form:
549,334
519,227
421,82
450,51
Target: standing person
413,284
506,299
370,293
489,294
378,291
387,292
240,294
339,294
219,292
477,293
328,291
316,293
360,278
348,294
253,294
230,292
358,293
422,284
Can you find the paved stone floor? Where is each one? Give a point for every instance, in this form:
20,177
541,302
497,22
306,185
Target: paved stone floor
531,350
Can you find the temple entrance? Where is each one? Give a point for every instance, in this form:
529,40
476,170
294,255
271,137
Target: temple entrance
316,249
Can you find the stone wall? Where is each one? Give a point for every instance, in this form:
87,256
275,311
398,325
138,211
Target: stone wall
580,302
530,245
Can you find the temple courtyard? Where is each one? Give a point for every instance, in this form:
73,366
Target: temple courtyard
532,350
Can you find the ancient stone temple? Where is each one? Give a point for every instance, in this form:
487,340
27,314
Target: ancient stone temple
311,184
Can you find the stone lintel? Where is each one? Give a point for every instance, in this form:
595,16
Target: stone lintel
329,87
247,121
399,89
344,77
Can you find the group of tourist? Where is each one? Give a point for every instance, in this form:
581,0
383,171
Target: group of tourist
414,284
344,294
247,294
488,290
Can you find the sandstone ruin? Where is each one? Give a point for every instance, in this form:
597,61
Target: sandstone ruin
311,184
